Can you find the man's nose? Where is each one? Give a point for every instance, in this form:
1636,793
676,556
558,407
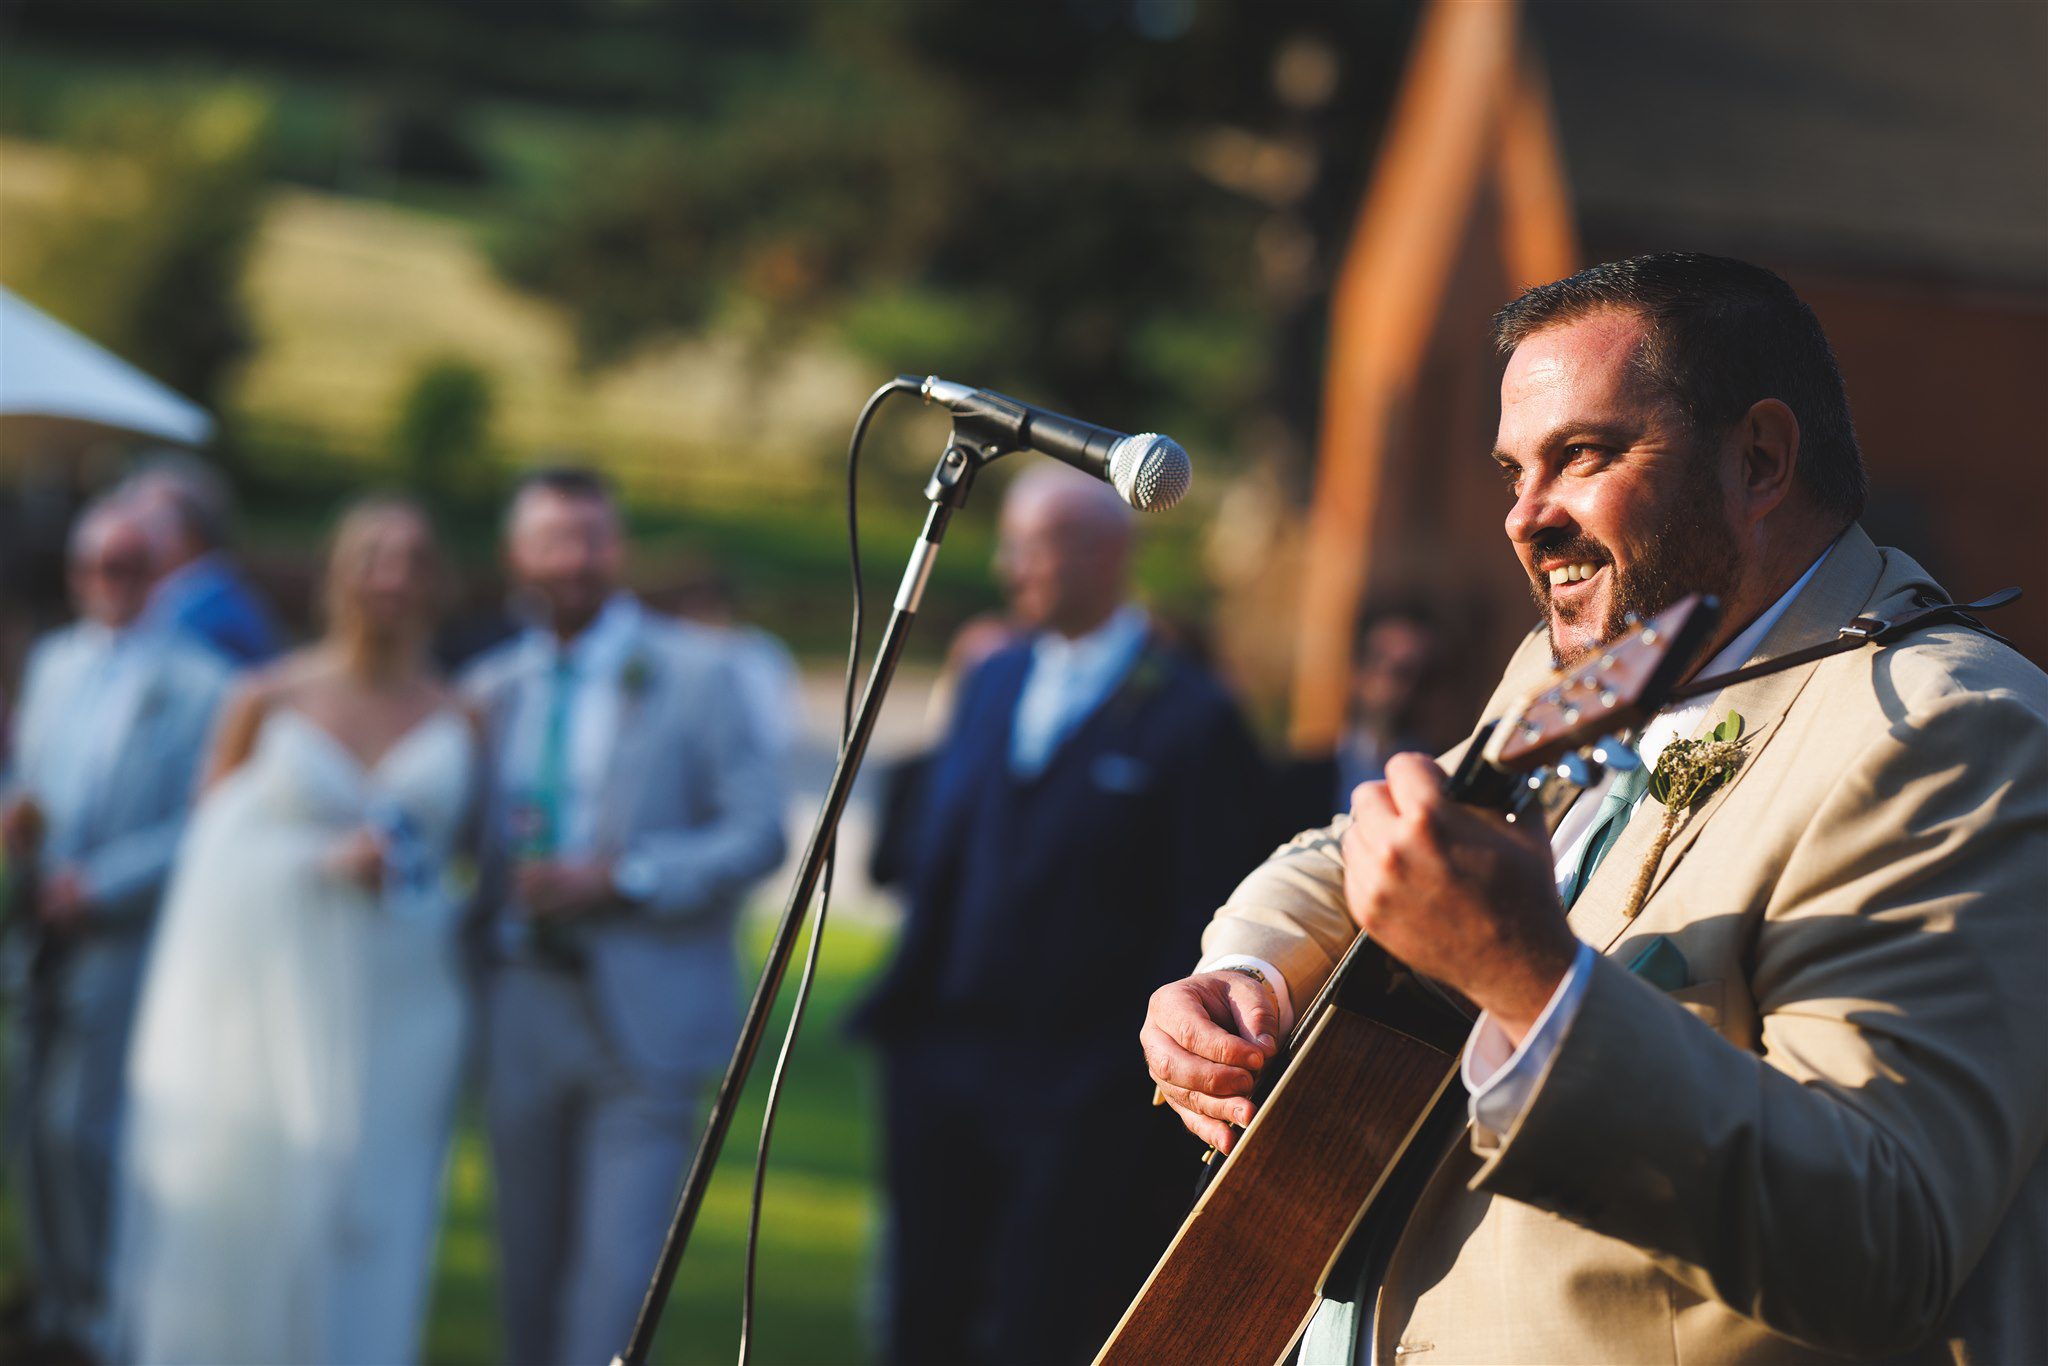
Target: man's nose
1535,512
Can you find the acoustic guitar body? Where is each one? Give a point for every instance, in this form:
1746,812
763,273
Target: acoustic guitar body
1367,1076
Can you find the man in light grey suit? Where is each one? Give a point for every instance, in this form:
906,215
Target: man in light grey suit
114,717
634,804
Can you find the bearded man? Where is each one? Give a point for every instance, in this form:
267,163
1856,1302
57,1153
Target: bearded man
1792,1106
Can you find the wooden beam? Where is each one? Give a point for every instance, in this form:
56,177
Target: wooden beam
1539,236
1443,135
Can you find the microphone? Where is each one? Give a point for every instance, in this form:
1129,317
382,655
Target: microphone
1149,471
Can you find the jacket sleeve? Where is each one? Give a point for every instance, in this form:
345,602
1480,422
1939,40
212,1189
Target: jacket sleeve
1839,1185
1215,785
705,866
125,876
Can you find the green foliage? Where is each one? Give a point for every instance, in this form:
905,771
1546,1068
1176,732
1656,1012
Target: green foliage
441,439
1015,194
148,256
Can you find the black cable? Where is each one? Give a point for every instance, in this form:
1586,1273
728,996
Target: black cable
803,986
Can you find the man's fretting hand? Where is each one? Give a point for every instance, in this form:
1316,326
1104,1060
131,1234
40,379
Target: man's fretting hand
1205,1039
1455,893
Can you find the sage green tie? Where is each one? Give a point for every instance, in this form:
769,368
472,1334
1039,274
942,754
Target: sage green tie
1615,809
551,787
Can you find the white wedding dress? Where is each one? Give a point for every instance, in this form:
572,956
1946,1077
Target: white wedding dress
293,1077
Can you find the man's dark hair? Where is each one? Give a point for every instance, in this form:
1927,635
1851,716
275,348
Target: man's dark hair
571,481
568,481
1723,335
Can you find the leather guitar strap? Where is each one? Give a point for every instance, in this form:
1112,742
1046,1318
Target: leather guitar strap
1858,633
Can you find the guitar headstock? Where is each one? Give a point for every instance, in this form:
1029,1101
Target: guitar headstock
1622,685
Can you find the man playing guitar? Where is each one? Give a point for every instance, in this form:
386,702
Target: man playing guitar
1759,1076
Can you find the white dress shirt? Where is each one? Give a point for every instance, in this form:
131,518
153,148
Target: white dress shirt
1067,680
598,658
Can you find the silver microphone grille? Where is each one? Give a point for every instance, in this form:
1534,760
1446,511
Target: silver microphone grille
1150,471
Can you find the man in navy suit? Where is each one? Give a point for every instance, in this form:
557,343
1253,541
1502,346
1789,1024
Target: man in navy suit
1096,792
202,593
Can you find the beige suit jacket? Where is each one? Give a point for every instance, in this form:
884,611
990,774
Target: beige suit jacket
1831,1142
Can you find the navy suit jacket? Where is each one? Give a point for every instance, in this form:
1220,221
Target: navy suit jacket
1093,879
211,602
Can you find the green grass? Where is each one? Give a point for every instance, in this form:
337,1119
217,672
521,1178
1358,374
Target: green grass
819,1220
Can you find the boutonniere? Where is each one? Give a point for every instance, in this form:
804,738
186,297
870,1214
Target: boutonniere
1686,772
635,676
1149,674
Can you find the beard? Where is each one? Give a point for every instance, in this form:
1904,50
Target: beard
1691,549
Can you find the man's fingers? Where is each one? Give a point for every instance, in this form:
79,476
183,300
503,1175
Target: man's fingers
1415,783
1371,808
1170,1064
1229,1109
1251,1011
1213,1132
1192,1014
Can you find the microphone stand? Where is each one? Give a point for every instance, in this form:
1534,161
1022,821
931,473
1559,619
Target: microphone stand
947,489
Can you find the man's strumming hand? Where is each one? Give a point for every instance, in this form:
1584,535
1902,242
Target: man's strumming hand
1205,1039
1456,893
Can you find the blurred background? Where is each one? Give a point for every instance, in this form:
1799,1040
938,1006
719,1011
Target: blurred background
395,243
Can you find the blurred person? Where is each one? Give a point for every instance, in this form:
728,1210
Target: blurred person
293,1079
636,801
202,590
769,683
1091,791
900,784
1399,654
113,721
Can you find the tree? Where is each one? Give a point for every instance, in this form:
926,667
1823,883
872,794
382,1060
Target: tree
145,254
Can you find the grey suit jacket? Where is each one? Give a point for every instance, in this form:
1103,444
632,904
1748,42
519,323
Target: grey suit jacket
694,793
135,819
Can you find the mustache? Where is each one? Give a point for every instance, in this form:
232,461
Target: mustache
1566,546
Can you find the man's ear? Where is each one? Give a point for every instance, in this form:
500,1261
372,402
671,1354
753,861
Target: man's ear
1770,458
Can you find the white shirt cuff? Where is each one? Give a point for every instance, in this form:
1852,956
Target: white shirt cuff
1500,1076
1277,984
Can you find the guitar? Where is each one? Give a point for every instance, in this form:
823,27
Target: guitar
1361,1102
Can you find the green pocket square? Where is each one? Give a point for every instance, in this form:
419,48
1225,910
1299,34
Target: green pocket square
1660,964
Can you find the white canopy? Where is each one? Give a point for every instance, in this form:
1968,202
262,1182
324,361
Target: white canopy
49,372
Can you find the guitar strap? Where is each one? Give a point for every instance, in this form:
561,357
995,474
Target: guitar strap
1858,633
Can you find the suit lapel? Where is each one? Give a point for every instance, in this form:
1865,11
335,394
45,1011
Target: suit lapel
1839,590
635,682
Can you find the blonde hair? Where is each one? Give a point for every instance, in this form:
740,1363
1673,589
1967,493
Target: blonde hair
348,555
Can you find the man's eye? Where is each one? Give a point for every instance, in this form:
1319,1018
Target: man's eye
1582,453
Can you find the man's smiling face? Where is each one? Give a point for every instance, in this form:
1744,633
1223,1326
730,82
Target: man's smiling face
1619,508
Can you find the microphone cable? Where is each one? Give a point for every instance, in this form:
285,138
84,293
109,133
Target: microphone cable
803,986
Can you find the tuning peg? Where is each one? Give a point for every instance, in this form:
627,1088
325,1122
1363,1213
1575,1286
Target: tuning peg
1578,770
1611,753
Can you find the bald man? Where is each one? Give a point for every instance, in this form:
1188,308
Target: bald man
114,715
1094,789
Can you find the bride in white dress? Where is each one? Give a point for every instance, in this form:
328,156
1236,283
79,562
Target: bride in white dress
293,1077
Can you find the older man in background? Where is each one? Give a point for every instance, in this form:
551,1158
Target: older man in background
114,717
1096,788
637,801
201,591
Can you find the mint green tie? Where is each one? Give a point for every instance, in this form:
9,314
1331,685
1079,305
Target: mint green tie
1615,809
551,783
